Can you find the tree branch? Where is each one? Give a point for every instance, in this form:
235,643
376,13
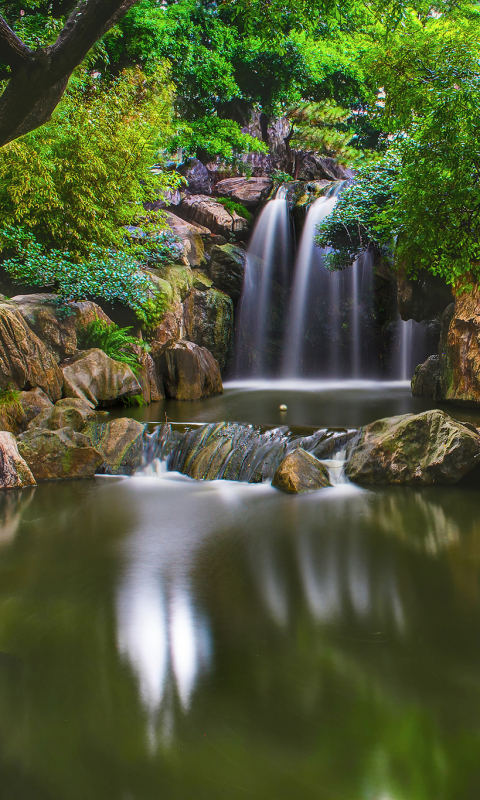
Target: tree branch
13,51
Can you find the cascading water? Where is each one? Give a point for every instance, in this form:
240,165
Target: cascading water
413,347
266,266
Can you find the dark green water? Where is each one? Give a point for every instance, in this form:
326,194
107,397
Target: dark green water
162,639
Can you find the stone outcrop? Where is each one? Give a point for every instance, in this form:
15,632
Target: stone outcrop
58,455
152,388
249,192
67,413
192,237
16,415
227,268
57,325
168,332
121,443
204,210
14,471
25,361
459,349
197,176
300,472
427,379
189,372
209,323
414,449
424,298
99,380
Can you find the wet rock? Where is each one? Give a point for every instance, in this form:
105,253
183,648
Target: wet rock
192,237
25,361
206,211
99,380
227,269
460,348
300,472
196,175
67,413
414,448
249,192
209,323
121,443
16,415
14,471
58,455
189,372
424,298
427,379
57,324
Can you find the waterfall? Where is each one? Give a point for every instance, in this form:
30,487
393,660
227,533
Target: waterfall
266,263
308,256
413,347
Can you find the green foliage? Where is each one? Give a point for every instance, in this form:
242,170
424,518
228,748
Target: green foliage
231,206
10,401
214,137
136,401
116,342
321,127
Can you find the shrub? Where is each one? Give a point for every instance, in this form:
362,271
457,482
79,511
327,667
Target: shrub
116,342
231,206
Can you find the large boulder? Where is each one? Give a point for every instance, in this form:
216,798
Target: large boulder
204,210
209,323
192,237
67,413
168,332
25,361
14,471
58,455
98,379
414,448
16,413
197,176
300,472
227,268
152,388
250,192
57,324
190,372
121,443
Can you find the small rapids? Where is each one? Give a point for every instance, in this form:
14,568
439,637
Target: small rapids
237,452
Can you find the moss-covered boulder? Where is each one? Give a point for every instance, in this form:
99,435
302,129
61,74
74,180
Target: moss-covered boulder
96,378
14,471
121,443
58,455
17,409
227,268
209,323
25,361
414,449
67,413
300,472
189,372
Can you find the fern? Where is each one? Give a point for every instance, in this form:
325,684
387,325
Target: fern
116,342
232,206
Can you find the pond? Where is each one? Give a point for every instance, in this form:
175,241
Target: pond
163,638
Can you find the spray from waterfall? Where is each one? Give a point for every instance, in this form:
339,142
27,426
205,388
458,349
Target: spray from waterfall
266,265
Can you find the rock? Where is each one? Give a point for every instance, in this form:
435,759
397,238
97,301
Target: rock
57,324
25,361
414,448
300,472
206,211
16,415
121,443
168,332
427,379
227,268
197,176
152,389
67,413
459,348
58,455
192,237
99,380
250,192
209,323
314,167
14,471
424,298
190,372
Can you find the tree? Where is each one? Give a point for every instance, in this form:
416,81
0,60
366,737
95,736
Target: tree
38,78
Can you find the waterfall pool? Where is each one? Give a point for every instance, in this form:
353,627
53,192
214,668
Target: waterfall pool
167,638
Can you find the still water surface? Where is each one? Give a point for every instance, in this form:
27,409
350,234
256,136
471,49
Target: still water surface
162,639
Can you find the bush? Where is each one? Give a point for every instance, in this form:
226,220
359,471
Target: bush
116,342
232,206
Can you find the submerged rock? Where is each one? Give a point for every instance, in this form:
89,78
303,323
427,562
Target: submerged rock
300,472
58,455
190,372
25,361
98,379
121,443
209,323
67,413
414,448
14,471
